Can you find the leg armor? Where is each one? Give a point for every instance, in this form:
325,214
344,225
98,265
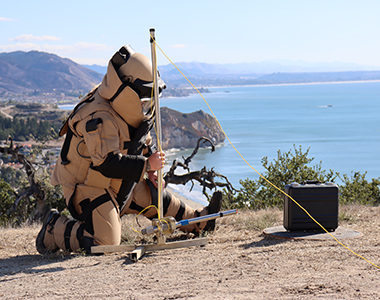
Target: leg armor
145,194
97,222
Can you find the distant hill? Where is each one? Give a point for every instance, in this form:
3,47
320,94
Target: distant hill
265,72
264,67
289,78
290,66
270,72
36,72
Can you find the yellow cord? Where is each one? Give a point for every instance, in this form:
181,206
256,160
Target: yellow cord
146,208
233,146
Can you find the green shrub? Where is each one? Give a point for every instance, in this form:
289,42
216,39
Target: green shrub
358,190
53,194
293,167
287,168
26,206
7,198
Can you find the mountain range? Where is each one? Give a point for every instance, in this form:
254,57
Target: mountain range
40,72
264,67
267,72
27,72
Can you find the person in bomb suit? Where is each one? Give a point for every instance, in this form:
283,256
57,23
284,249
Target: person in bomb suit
106,166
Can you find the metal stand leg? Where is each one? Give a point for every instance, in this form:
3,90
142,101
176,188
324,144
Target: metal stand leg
138,251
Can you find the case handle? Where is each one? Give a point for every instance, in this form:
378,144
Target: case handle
310,182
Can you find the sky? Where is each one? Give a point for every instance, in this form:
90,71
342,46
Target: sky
90,32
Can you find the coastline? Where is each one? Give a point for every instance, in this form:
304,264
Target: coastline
296,83
67,104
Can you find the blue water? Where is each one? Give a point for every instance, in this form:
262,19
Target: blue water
339,122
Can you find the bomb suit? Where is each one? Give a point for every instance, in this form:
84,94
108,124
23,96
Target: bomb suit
104,160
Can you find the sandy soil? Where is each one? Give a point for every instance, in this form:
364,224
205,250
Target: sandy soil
239,262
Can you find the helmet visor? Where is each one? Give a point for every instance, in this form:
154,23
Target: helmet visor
145,88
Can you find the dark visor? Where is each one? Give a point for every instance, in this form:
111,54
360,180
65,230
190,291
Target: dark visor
145,88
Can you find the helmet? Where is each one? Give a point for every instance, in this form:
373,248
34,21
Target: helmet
128,81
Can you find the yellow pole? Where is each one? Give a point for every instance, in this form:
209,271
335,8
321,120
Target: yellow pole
158,117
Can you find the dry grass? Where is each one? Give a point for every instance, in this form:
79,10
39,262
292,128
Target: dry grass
239,262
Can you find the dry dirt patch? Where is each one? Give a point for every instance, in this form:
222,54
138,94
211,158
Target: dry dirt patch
239,262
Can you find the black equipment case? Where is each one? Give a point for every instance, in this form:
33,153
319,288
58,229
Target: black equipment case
319,199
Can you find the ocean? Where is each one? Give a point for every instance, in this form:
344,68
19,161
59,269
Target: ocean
339,122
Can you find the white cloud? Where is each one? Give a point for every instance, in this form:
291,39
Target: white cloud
2,19
83,52
31,38
18,47
78,47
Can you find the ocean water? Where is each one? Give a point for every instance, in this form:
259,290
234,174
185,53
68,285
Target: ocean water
339,122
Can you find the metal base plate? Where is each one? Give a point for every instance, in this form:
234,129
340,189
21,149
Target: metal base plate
138,251
339,233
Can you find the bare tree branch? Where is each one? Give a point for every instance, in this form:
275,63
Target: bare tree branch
206,178
195,151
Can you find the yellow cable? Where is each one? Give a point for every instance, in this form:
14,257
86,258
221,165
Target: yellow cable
233,146
146,208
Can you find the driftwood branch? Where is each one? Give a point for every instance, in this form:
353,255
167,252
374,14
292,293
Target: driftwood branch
206,178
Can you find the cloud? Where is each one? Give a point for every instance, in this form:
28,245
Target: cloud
19,47
83,52
2,19
31,38
78,47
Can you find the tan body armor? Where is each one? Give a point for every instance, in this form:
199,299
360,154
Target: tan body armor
101,179
97,131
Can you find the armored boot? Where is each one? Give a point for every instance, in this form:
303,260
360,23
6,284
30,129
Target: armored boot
60,232
213,207
45,239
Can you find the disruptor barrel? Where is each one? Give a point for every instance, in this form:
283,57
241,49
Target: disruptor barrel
168,225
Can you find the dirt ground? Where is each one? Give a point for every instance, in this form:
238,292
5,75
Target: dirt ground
239,262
